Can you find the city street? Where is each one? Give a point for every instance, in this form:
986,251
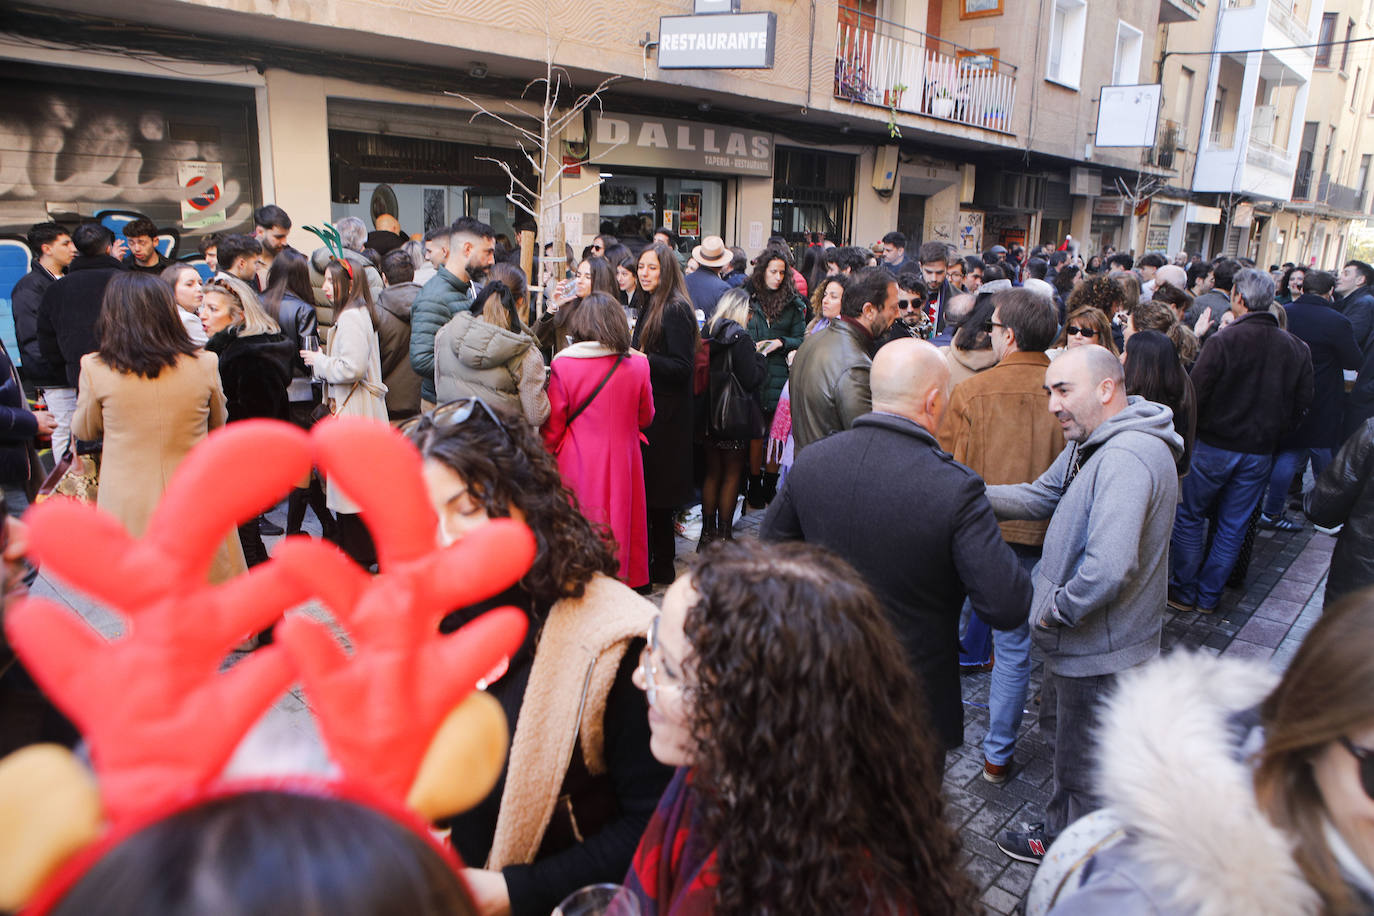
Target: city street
1267,620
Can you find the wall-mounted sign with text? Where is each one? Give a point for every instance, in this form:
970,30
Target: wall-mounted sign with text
670,144
743,41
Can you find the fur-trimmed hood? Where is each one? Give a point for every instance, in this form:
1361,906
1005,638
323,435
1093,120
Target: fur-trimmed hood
1172,770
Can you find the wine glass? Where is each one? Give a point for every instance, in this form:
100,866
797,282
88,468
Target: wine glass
310,342
599,900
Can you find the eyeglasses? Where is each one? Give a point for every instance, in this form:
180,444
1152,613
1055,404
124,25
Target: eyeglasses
453,413
649,669
905,304
1073,331
597,246
993,324
1365,757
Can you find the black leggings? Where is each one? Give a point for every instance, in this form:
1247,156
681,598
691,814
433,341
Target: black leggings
354,539
720,490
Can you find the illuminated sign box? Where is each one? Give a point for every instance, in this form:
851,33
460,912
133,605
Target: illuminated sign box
744,41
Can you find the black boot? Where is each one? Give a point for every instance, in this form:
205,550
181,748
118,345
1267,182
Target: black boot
709,534
770,486
295,509
320,505
753,494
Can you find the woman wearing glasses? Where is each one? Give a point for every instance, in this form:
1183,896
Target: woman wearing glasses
255,361
1232,794
152,395
578,789
1085,325
1107,296
353,370
808,779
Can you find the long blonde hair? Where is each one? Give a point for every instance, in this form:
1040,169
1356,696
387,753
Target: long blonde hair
244,306
734,306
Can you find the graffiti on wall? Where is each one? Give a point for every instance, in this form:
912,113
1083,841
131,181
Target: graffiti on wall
77,151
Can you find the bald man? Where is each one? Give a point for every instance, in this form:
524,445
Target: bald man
914,522
386,235
1103,576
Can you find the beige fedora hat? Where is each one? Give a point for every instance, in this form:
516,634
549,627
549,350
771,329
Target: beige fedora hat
712,252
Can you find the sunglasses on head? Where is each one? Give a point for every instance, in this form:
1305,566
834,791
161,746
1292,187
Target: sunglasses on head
452,413
1075,331
1365,757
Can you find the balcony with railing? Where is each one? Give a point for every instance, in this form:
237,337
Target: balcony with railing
1309,188
888,65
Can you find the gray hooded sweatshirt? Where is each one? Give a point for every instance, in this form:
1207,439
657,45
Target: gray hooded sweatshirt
1103,579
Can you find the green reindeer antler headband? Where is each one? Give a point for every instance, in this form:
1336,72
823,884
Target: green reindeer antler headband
331,238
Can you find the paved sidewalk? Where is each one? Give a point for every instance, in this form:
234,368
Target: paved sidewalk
1266,620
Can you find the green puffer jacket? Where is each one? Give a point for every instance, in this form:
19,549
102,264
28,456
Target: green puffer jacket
789,327
437,302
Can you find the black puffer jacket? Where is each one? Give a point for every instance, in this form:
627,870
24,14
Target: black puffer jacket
18,426
255,372
1344,495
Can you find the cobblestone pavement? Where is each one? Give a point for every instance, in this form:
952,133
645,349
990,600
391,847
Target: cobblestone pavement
1267,619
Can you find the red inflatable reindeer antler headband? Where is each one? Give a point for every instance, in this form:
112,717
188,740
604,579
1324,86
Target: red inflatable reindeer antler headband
399,714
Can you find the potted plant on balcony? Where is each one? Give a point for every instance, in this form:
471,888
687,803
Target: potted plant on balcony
941,101
893,98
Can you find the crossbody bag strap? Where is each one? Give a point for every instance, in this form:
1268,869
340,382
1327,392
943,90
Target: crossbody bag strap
597,390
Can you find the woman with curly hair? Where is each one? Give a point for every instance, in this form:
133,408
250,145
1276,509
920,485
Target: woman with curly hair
809,778
580,782
1107,296
777,325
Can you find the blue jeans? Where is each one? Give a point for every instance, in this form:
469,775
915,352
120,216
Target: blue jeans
1286,464
1010,678
1229,485
975,646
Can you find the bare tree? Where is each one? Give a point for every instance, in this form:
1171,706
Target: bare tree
1144,188
540,144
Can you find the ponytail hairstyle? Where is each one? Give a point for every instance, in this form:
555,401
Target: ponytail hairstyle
511,279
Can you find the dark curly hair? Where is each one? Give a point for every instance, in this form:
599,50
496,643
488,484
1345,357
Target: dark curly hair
816,766
772,301
508,467
1102,293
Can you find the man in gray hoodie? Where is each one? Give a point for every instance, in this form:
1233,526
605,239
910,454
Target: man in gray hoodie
1103,578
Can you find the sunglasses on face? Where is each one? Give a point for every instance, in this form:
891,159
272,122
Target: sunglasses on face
1365,757
1075,331
905,304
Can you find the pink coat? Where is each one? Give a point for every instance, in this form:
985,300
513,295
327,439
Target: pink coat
599,455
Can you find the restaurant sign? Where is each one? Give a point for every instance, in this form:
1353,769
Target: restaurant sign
670,144
742,41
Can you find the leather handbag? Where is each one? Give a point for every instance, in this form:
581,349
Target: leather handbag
735,413
75,477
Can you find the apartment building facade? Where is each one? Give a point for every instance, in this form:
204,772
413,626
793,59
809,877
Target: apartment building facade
968,121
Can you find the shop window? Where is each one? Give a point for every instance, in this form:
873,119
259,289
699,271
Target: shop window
1068,26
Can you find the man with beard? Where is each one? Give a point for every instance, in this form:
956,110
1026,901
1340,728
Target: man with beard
829,380
472,248
912,321
270,227
1103,576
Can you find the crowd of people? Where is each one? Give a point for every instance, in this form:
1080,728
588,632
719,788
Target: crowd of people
960,461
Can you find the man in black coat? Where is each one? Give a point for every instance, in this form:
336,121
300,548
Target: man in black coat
53,251
915,523
1331,340
1355,300
66,320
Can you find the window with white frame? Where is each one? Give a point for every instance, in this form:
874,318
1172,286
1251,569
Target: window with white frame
1126,69
1068,26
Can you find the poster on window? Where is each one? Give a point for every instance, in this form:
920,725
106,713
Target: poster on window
690,206
202,194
